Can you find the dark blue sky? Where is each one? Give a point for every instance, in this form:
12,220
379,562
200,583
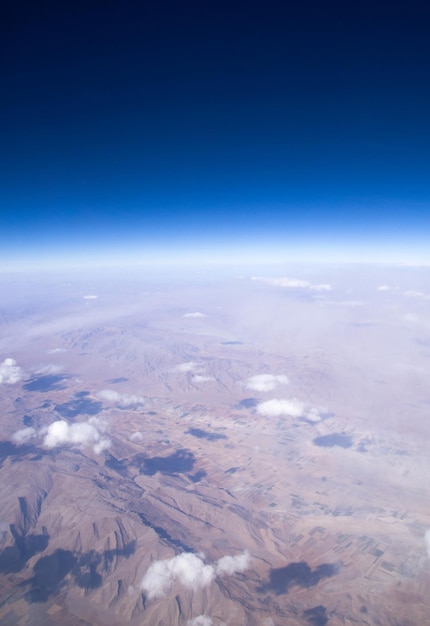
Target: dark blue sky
302,128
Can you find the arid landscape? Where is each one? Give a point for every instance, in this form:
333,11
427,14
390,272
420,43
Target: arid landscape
201,448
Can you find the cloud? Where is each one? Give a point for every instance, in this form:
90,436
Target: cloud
266,382
137,436
202,379
275,408
24,435
90,297
121,399
384,288
427,541
80,434
189,570
56,350
293,283
10,372
200,620
316,415
195,314
228,565
190,366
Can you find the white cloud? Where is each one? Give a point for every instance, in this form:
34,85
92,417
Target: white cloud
137,436
315,415
189,570
265,382
81,434
190,366
293,283
200,620
10,372
228,565
384,288
56,350
24,435
195,314
121,399
275,408
427,541
202,379
90,297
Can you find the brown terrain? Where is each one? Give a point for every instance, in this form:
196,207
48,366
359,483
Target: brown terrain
313,478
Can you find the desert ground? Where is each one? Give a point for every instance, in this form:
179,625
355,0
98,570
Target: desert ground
200,447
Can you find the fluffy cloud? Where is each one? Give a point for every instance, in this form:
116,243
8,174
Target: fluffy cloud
316,415
384,288
189,570
121,399
90,297
275,408
24,435
228,565
202,379
195,314
427,541
81,434
266,382
10,372
294,283
201,620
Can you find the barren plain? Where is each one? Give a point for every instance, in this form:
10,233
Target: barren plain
202,448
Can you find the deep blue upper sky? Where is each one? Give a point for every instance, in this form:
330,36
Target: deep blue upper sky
299,127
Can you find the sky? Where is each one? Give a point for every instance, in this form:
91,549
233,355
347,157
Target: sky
227,129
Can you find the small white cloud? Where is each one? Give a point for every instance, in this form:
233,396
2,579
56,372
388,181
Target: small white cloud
384,288
293,283
228,565
136,437
190,366
81,434
427,541
90,297
56,350
275,408
120,399
195,314
10,372
202,379
200,620
189,570
315,415
266,382
24,435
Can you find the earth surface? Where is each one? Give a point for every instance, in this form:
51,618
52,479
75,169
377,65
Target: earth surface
199,447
